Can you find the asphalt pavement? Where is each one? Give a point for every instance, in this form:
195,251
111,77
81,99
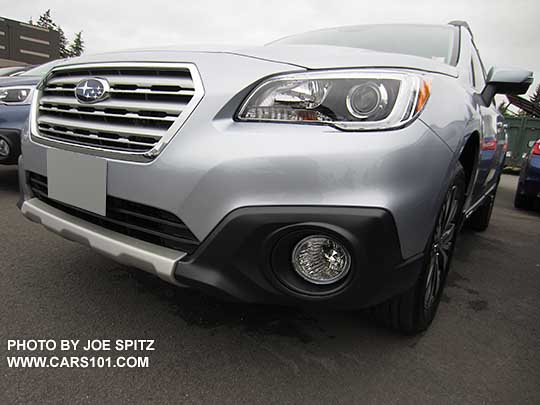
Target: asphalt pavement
484,346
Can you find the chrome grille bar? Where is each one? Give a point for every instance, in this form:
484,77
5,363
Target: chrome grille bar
130,105
90,126
139,81
65,90
113,143
96,112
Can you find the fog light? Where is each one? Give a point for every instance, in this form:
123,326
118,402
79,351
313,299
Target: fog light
321,260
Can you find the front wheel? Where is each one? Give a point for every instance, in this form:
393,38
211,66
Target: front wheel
414,310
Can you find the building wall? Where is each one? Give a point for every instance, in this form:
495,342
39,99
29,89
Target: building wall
22,43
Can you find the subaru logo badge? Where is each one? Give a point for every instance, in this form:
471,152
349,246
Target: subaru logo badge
92,90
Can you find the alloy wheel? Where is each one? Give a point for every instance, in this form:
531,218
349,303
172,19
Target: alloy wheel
441,247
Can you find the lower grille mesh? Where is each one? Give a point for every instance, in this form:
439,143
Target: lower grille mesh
129,218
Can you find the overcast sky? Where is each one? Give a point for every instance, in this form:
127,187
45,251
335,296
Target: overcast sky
507,32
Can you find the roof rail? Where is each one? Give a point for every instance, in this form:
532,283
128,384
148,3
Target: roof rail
464,24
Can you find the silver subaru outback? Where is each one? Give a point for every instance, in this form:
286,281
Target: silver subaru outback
330,168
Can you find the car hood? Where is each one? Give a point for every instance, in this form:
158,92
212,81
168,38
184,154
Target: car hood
19,81
304,56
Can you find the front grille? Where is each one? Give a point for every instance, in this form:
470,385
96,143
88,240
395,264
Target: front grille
146,106
127,217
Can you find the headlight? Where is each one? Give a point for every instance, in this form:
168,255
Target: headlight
350,100
16,95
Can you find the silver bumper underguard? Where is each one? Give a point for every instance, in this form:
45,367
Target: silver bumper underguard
154,259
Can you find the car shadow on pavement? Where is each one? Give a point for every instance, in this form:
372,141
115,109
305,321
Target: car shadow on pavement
9,179
197,309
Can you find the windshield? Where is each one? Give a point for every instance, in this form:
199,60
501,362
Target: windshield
427,41
40,70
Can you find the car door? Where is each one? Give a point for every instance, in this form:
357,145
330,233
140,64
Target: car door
492,133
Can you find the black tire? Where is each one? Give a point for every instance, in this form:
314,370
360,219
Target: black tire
479,219
522,201
412,312
9,151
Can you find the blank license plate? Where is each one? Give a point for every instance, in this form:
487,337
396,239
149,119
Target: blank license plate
77,180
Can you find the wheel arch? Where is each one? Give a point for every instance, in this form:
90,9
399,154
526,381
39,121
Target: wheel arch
468,157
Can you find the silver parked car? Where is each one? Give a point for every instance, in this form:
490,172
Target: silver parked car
329,168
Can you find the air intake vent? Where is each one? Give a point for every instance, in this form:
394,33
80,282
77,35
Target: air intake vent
142,108
127,217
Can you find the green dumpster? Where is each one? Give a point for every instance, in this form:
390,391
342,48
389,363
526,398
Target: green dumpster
522,133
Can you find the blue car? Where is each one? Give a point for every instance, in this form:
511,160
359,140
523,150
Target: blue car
528,190
15,98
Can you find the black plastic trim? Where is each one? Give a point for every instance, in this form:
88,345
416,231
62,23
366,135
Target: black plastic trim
237,259
129,218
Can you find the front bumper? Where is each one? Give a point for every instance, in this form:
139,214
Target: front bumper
213,168
239,197
247,256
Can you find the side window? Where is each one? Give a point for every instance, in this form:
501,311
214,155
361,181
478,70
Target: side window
478,73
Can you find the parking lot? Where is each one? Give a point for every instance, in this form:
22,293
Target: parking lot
483,347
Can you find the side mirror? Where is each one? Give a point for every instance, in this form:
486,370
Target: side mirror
506,81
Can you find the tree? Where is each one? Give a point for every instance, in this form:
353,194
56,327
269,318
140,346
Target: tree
535,98
46,21
77,46
67,49
63,43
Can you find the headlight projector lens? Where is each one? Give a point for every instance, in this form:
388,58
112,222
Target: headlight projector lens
367,99
321,259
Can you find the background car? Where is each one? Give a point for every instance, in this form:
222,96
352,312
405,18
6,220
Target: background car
14,70
528,189
15,97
